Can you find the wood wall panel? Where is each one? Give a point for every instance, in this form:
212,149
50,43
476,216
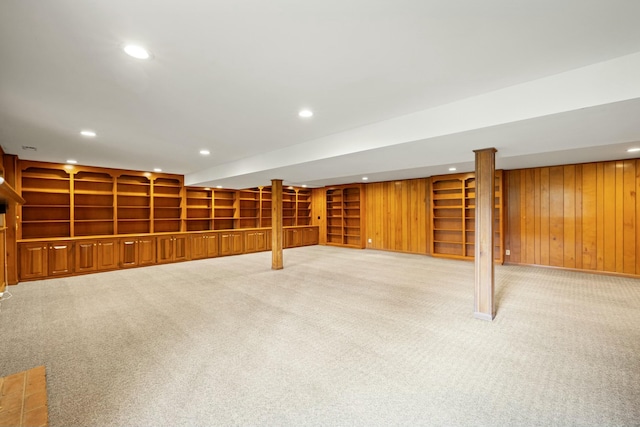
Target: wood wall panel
397,215
575,216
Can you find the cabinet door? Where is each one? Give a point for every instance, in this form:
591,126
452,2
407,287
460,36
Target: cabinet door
250,241
236,243
180,247
86,255
199,246
128,252
33,260
212,245
107,254
230,243
225,244
310,236
293,238
146,250
261,241
165,249
60,261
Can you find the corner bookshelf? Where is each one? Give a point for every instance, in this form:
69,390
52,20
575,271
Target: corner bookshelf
303,207
453,216
93,203
167,205
199,206
288,207
345,216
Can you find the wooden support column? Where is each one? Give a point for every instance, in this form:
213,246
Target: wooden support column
484,306
276,224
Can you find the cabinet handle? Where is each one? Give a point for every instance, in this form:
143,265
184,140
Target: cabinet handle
95,244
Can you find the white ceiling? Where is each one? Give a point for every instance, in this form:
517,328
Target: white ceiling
400,89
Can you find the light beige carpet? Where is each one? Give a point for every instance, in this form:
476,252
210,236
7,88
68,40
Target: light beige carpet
339,337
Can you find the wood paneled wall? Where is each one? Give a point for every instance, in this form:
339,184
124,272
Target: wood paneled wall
575,216
319,212
397,215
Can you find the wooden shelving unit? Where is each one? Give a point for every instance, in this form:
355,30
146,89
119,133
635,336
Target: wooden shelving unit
47,211
248,208
265,206
167,205
288,207
345,207
303,207
133,204
199,206
224,209
93,207
78,201
453,216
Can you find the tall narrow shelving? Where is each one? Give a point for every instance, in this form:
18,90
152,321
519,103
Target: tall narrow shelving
167,205
303,207
345,216
248,208
351,216
289,207
335,230
47,211
93,203
453,216
224,209
133,204
265,207
199,209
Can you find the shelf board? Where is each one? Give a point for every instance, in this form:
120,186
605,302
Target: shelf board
41,221
45,191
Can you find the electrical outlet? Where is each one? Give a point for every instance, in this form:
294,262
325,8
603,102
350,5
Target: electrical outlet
370,240
507,252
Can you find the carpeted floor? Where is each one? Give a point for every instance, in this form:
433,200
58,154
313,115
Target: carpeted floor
339,337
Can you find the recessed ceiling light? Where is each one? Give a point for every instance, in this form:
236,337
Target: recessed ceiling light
205,152
305,113
137,51
157,170
633,150
304,185
452,169
218,186
364,178
88,133
72,162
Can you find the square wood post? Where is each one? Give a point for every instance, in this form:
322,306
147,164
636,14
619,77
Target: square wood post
276,224
484,306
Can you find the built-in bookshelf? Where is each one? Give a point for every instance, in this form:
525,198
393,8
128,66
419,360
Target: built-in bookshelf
167,205
248,208
93,204
47,211
453,216
75,201
133,203
199,206
224,208
345,206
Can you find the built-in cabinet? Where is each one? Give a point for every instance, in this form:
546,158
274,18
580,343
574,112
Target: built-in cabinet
64,257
